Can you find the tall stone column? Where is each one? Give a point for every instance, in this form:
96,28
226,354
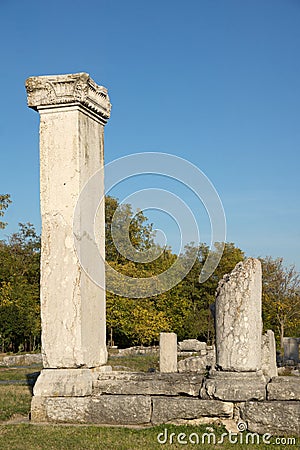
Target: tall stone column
73,111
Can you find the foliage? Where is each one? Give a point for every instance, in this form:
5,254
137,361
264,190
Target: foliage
4,203
19,290
199,297
281,298
185,309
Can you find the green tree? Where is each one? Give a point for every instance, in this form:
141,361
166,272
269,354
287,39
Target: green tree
280,298
19,290
5,200
122,217
201,296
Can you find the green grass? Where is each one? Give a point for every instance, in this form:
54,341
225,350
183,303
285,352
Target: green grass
56,437
137,363
14,400
16,373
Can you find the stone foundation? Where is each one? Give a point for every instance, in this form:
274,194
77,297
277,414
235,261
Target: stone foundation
125,398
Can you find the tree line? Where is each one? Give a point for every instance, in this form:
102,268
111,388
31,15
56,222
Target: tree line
184,309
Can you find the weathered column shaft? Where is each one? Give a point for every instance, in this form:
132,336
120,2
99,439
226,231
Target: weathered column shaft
238,318
73,111
168,352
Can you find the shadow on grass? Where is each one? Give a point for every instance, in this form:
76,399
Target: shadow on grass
31,380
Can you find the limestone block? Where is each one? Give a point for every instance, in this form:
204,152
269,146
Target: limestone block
211,357
276,418
23,360
191,345
14,360
234,386
284,388
269,366
168,352
148,384
64,383
238,318
169,409
121,409
192,364
105,369
60,409
38,409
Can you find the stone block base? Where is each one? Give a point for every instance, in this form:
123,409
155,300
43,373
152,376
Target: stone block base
138,383
235,386
121,409
125,398
65,382
278,417
174,408
60,409
283,388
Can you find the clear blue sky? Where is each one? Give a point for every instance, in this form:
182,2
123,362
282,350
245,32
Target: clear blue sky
215,82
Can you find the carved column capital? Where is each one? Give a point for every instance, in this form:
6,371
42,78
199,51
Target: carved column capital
72,89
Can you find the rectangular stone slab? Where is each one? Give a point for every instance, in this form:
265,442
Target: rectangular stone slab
60,409
284,388
121,409
168,409
272,417
234,386
64,383
148,384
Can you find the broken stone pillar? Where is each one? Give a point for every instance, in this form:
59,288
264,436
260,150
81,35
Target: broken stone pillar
238,325
168,352
238,318
269,366
73,111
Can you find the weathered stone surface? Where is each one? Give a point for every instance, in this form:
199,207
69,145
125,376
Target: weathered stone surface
234,386
38,409
23,360
64,383
238,318
276,418
168,409
105,369
168,352
121,409
211,356
269,366
284,388
47,91
138,350
60,409
191,345
148,384
73,111
193,364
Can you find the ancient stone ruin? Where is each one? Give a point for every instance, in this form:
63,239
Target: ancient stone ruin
76,385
